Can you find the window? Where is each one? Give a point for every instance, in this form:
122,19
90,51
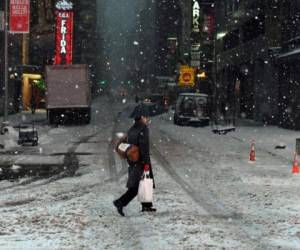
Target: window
231,40
291,19
231,6
253,28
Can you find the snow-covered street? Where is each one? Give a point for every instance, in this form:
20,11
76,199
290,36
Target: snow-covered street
208,194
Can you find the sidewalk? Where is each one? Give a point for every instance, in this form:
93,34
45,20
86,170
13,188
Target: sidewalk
268,137
21,118
28,159
248,123
27,117
265,137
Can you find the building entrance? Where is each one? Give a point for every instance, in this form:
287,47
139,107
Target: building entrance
33,92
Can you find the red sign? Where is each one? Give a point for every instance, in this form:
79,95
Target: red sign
186,77
64,33
19,16
209,24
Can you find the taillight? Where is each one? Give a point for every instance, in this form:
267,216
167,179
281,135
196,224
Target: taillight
166,103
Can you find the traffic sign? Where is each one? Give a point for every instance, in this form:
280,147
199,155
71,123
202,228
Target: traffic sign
187,76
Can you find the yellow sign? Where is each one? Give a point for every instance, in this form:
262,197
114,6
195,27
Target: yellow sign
187,76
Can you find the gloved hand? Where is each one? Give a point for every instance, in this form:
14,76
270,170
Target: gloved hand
146,168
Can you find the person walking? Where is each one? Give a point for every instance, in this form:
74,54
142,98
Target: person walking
138,135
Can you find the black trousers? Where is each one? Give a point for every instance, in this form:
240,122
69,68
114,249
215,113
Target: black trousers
129,196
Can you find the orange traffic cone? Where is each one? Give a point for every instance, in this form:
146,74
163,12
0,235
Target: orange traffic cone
252,152
295,165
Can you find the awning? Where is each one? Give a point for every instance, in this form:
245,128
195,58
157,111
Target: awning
290,53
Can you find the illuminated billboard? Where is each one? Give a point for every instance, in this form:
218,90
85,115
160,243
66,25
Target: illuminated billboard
64,32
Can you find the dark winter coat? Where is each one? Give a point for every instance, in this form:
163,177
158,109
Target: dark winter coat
138,135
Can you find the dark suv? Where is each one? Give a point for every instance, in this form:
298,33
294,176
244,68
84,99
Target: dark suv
192,108
158,102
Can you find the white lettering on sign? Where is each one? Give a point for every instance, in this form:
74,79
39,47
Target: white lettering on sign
64,14
63,31
19,2
64,5
19,8
196,15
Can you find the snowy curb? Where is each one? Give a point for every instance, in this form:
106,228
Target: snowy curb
31,160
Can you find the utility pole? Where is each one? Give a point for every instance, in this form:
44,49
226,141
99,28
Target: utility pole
215,88
6,62
25,49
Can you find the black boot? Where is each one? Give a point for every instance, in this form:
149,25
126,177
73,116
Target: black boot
151,209
119,207
148,209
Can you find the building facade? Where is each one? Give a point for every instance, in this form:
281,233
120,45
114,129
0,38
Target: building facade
248,38
288,66
29,53
168,23
173,23
205,23
42,35
14,59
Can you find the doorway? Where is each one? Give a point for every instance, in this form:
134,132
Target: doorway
33,92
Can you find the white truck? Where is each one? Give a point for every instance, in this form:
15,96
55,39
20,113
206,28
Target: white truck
68,93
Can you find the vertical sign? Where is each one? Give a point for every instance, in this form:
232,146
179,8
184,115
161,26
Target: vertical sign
172,45
196,17
19,16
64,32
209,24
195,47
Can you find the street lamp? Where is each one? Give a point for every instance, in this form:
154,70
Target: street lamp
221,35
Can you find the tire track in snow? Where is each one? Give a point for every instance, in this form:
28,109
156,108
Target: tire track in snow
211,208
112,168
127,226
110,152
71,164
115,175
206,202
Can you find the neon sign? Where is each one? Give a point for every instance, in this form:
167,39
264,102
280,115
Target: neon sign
64,32
196,16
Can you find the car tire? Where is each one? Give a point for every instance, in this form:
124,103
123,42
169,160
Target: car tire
206,122
177,121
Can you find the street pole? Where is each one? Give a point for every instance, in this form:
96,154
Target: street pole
25,49
6,62
216,106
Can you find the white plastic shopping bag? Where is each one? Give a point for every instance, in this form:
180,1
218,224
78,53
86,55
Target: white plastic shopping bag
145,193
123,147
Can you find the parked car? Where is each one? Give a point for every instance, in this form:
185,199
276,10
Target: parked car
158,101
192,108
